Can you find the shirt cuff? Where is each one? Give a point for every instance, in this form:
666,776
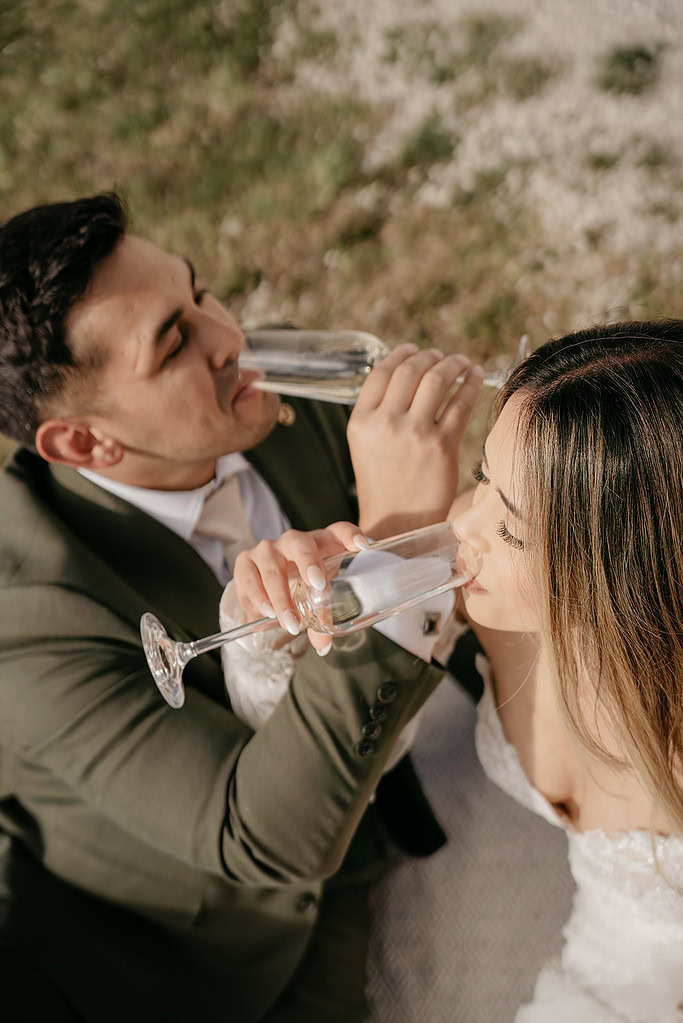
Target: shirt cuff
419,629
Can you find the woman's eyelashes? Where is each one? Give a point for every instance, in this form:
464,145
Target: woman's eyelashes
506,535
199,295
502,529
478,474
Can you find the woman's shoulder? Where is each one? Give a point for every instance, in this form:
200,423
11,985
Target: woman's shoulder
525,748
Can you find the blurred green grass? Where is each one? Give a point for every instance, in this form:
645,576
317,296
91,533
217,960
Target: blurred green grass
188,110
172,104
184,108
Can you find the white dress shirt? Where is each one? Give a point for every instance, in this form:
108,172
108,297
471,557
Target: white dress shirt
179,510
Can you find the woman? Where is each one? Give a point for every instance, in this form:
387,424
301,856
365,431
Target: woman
579,605
578,516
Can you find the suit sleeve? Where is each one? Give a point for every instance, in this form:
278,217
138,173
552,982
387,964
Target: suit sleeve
77,703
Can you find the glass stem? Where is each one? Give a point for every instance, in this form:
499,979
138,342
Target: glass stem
186,651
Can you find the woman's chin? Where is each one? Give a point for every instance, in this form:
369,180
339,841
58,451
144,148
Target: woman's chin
482,612
475,611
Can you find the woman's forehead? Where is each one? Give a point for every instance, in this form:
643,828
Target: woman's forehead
502,442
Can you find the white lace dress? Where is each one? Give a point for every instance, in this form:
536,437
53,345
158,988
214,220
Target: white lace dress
622,958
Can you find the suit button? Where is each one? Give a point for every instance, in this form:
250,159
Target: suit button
387,693
364,748
305,901
378,712
371,730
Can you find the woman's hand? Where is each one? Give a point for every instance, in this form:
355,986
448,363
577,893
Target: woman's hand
261,574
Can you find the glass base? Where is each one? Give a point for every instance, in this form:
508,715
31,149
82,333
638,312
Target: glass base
163,661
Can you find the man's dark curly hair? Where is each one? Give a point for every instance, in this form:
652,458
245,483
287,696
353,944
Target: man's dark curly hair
47,258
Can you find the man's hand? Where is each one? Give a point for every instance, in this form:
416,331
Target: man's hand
406,463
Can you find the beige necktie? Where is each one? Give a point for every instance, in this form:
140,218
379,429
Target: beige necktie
223,519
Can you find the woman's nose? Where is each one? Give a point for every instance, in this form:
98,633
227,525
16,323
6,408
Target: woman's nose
466,524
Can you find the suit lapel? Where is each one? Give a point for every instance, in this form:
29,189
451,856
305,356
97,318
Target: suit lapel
153,568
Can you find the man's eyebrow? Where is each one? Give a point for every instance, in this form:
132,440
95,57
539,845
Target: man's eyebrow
171,320
508,504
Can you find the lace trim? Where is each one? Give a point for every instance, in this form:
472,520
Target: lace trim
636,864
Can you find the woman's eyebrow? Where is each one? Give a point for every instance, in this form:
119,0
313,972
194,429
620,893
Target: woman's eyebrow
508,504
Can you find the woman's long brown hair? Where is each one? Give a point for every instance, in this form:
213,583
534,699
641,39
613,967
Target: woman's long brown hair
601,466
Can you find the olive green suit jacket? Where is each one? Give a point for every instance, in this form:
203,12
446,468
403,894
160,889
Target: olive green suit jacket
165,864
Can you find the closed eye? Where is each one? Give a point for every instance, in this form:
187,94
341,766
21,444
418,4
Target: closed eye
478,474
199,295
506,535
182,343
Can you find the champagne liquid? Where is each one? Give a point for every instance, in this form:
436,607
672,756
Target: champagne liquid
334,616
323,388
375,585
326,365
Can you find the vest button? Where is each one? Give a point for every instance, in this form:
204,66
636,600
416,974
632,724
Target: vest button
371,730
305,902
378,712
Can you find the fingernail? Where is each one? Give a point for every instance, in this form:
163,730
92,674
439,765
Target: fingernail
267,611
289,622
316,578
361,541
478,371
409,347
325,650
437,351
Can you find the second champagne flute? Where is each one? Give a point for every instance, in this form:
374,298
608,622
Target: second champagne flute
362,588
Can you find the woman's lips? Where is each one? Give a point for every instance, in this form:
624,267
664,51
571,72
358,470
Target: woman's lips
473,587
471,566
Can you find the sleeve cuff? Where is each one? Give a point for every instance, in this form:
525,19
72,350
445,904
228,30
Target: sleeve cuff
419,629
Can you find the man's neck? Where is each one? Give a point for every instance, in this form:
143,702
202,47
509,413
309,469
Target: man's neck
160,475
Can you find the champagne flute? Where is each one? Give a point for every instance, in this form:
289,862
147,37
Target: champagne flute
363,588
330,365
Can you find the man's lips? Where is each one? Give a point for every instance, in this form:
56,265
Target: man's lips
243,388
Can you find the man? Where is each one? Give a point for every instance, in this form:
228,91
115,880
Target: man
165,865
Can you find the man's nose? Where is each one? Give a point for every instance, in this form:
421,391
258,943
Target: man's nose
223,341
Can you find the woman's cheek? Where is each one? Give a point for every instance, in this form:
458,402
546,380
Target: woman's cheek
520,605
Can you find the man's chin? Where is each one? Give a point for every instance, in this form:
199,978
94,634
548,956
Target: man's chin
270,408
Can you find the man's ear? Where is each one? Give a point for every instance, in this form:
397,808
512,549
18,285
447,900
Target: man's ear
76,444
